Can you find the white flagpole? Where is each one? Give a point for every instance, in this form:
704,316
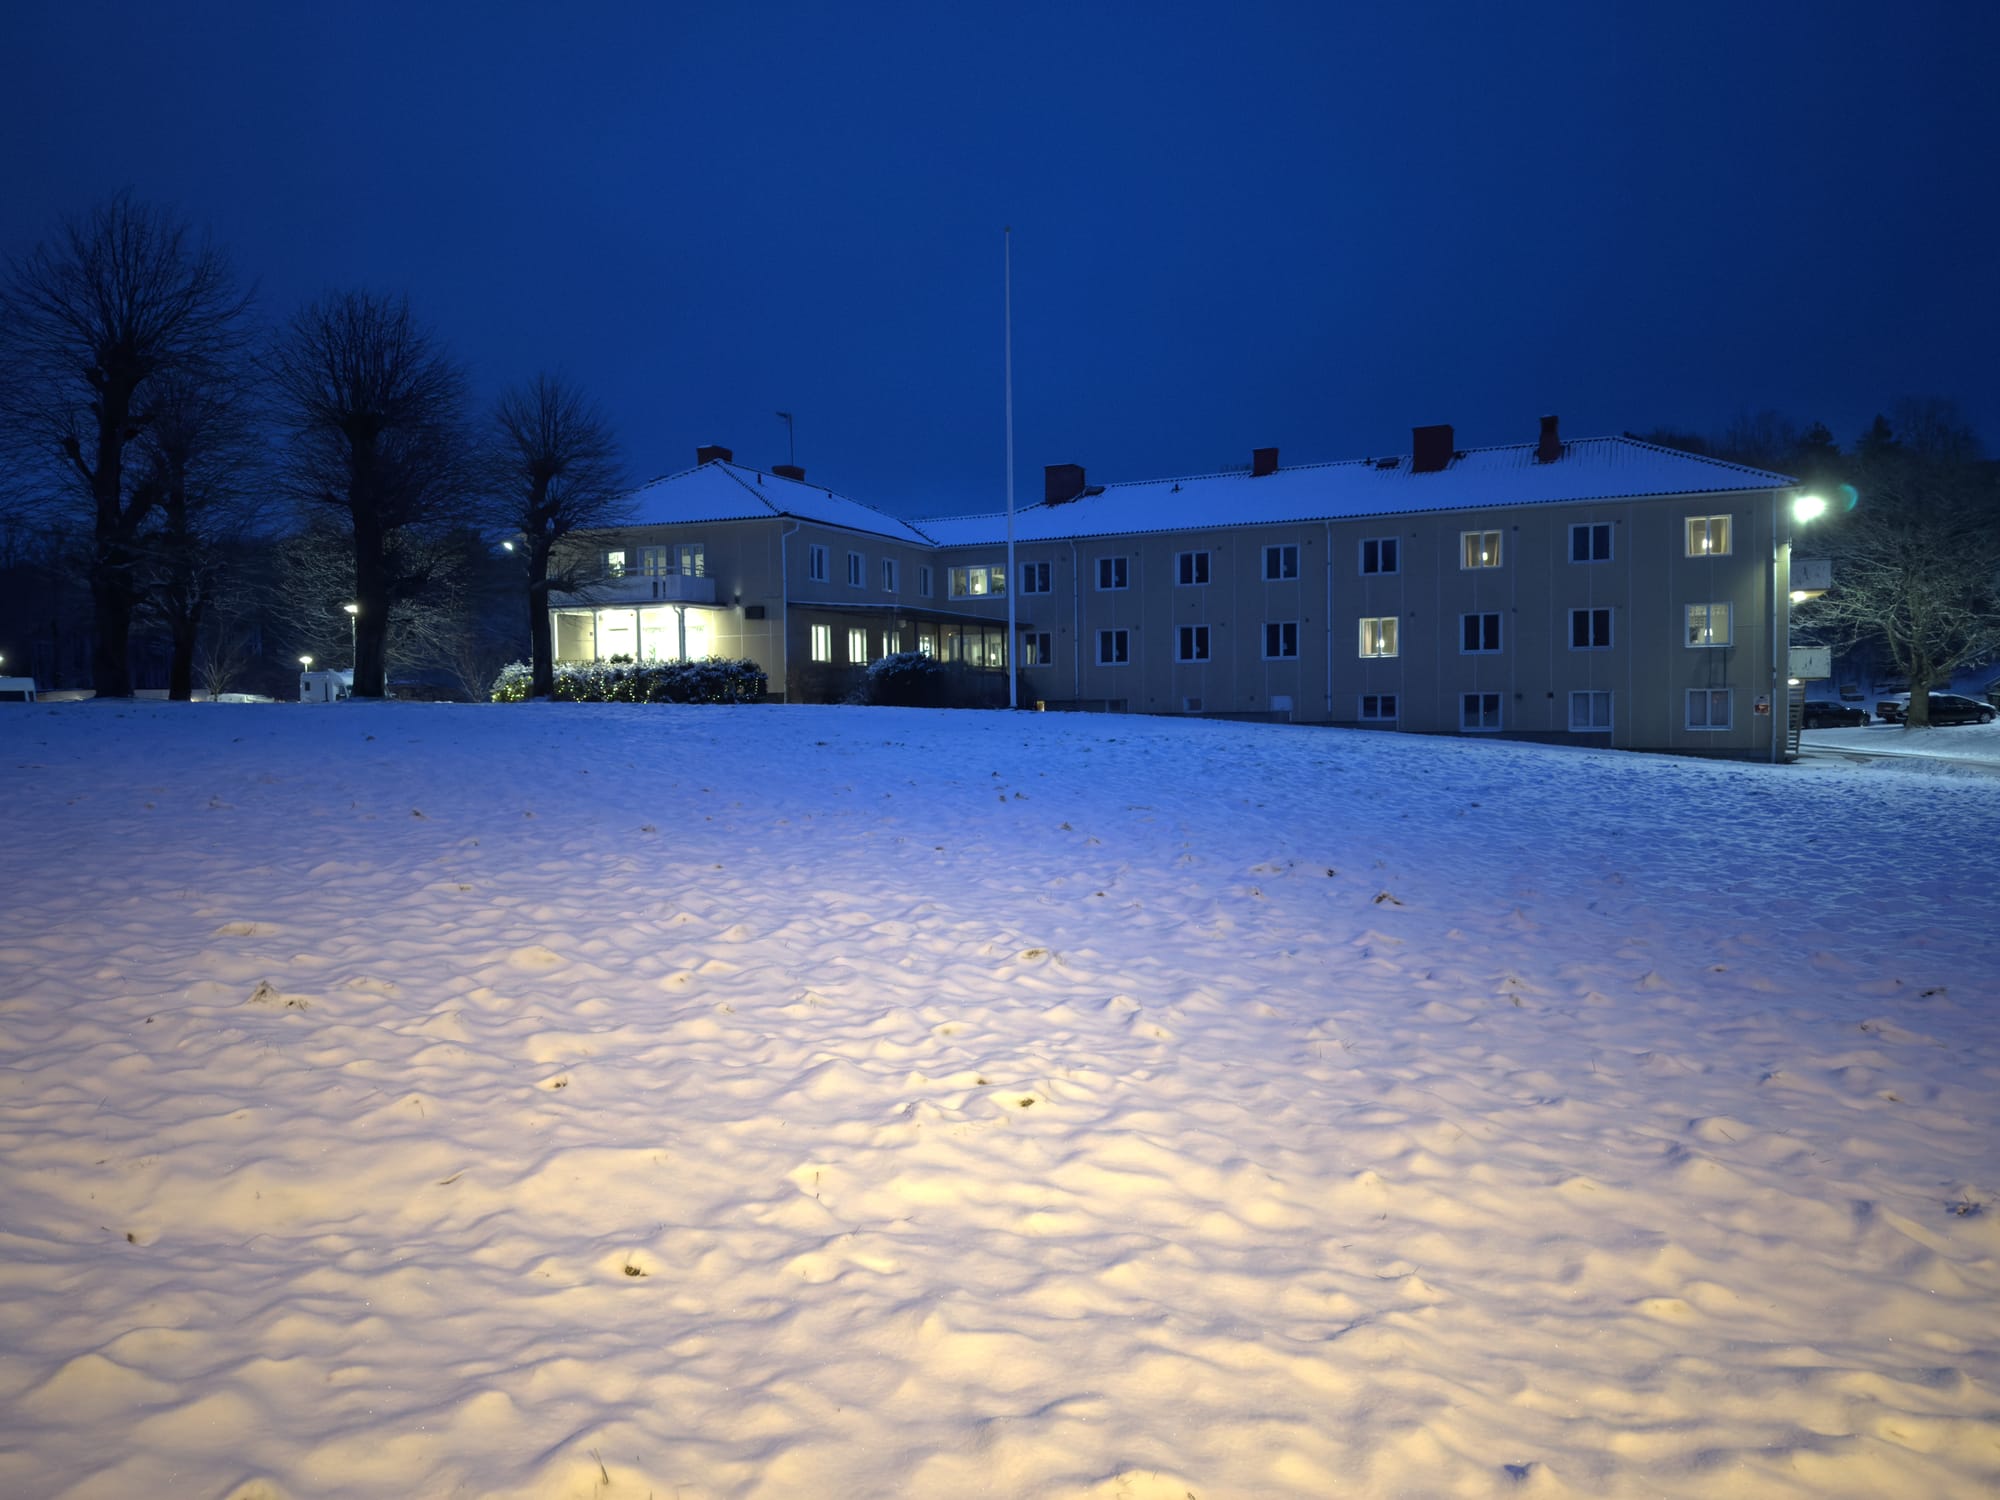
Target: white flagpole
1013,579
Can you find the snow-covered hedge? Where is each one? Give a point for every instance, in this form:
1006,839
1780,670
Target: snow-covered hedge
716,680
910,679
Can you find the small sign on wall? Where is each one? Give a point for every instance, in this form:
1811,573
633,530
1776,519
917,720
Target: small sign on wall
1811,663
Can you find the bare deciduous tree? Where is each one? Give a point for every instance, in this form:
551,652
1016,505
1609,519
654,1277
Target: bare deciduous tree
1916,563
376,416
557,470
198,460
92,322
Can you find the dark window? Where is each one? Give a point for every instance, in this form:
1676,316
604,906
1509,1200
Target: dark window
1482,632
1378,555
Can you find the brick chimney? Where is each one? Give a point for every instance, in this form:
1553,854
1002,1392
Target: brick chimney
1263,461
1061,483
709,453
1550,448
789,471
1430,449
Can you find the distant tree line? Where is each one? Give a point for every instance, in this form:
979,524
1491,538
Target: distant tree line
192,497
1912,530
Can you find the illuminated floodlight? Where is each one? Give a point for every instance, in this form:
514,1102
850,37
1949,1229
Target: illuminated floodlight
1800,594
1808,508
306,662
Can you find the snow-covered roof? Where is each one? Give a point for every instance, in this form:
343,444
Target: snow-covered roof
1608,468
722,491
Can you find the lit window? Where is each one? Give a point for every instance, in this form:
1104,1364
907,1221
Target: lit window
1281,563
1708,708
927,643
1589,629
822,643
1281,639
614,564
693,559
1194,642
892,642
1590,542
816,563
857,645
889,575
1479,633
653,562
1378,554
1708,624
1589,710
1192,567
1378,708
1038,649
1112,572
1479,713
1708,536
1378,635
1035,578
857,570
1479,549
1114,648
977,583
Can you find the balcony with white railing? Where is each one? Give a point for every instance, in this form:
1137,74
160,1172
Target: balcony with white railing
670,587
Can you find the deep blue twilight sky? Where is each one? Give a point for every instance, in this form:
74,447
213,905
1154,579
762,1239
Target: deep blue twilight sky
1307,225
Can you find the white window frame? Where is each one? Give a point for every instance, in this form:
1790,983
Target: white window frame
1038,649
691,559
1702,634
1118,569
1485,618
857,571
1035,578
1588,616
817,561
1388,556
892,643
1280,627
1590,531
978,582
926,641
1711,536
1191,643
1114,648
1378,635
857,645
1478,549
1369,708
1709,698
1591,699
822,643
1191,569
1472,713
653,562
614,562
891,575
1281,562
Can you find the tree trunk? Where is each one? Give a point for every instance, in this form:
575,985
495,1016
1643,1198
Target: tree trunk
111,608
541,636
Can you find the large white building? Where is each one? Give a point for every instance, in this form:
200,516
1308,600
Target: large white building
1601,591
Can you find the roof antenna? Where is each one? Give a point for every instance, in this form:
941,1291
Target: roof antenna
791,447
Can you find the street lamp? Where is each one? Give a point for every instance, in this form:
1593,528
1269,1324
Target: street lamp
353,625
305,663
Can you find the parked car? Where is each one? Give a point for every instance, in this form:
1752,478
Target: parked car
1945,708
1822,714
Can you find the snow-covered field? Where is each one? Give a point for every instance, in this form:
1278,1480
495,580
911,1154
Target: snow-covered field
413,1100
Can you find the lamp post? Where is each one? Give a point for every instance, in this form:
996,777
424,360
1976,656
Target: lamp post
353,636
1804,510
